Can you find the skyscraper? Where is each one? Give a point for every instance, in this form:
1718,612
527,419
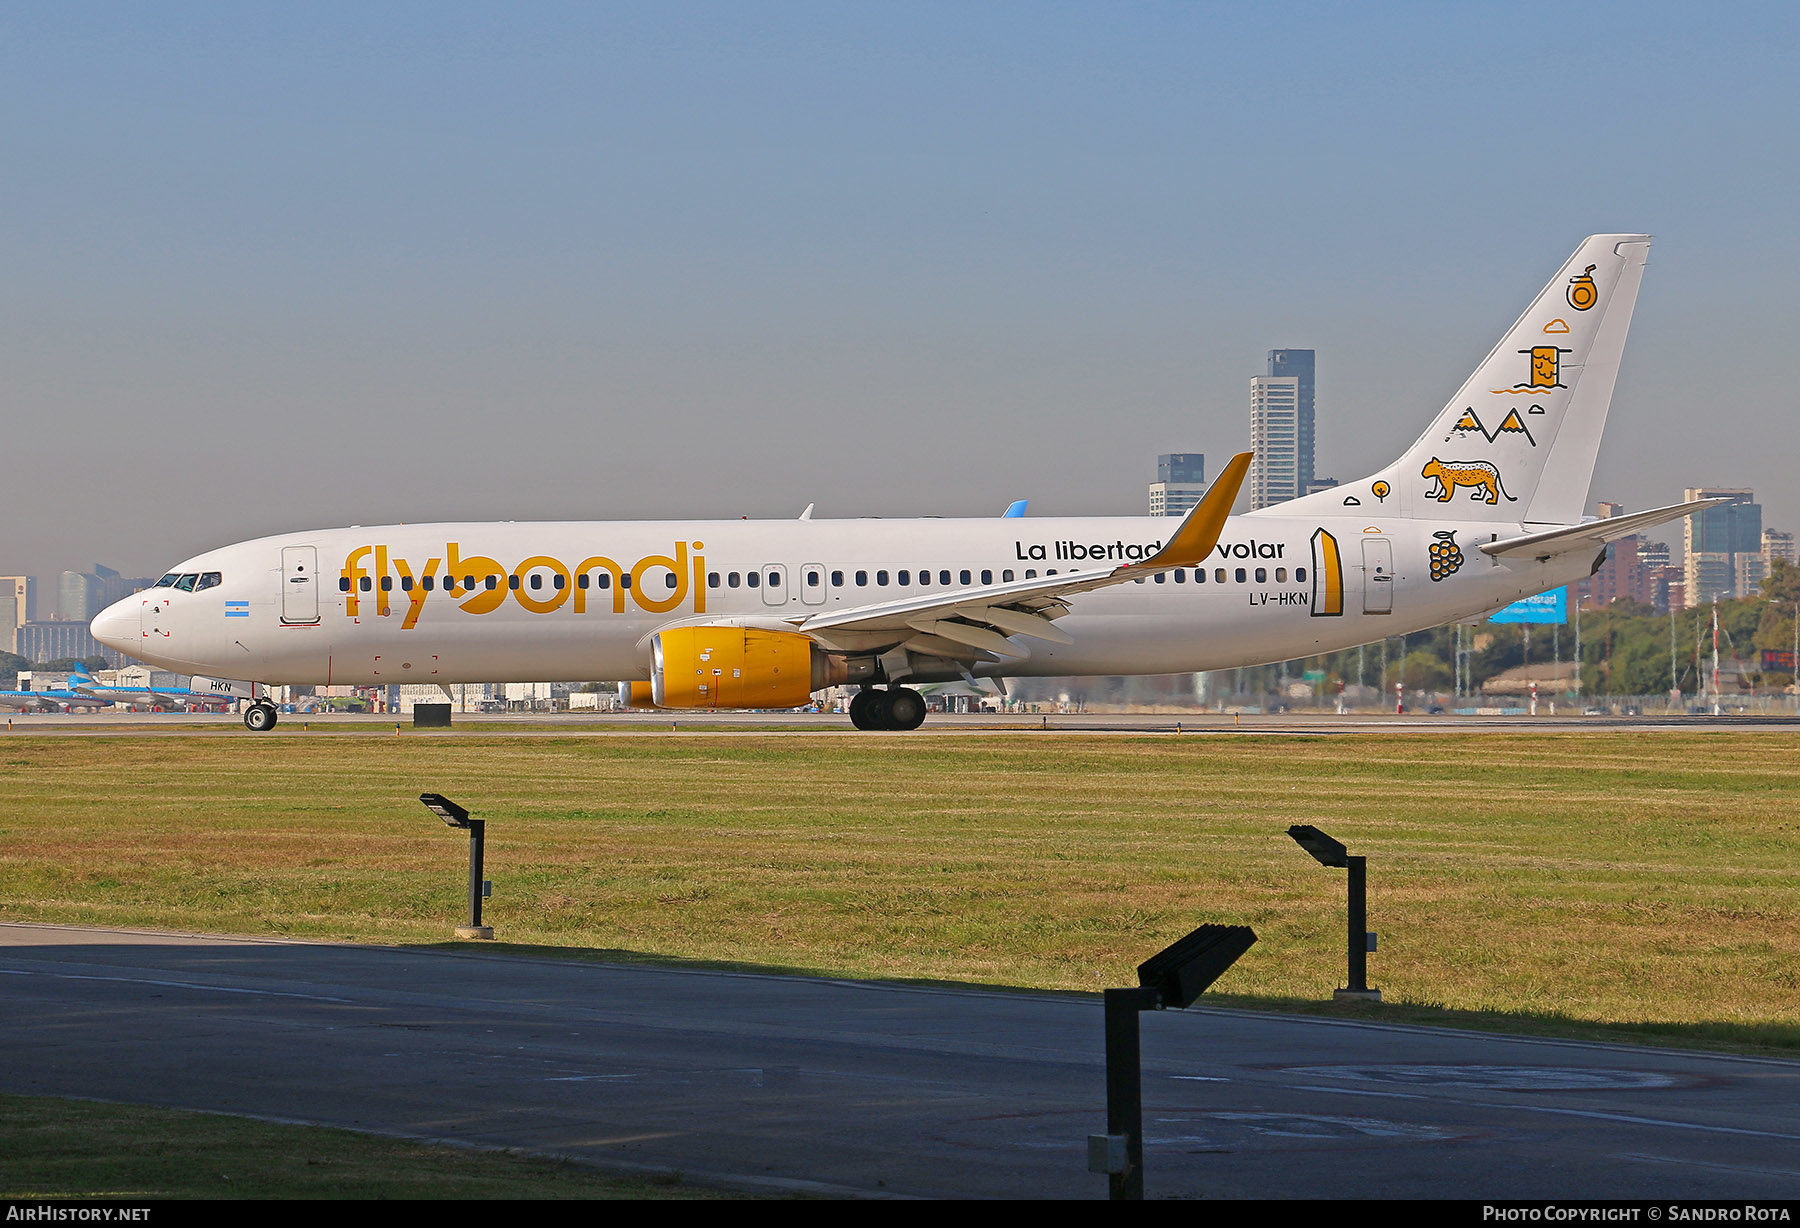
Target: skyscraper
1180,483
1281,428
1714,536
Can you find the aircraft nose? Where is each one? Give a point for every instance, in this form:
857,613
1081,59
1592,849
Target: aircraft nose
117,625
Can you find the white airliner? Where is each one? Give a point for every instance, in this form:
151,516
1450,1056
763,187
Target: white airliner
1485,508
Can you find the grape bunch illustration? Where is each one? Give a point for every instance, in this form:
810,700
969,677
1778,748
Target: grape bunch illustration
1446,555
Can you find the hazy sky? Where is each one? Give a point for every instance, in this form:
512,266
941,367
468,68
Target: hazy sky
271,268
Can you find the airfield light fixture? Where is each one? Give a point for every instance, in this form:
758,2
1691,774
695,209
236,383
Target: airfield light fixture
455,816
1172,978
1360,941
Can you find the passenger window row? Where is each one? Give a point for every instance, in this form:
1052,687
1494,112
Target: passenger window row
1221,575
903,577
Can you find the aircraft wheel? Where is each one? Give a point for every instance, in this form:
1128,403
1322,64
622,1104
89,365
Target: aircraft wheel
875,711
905,708
260,717
859,709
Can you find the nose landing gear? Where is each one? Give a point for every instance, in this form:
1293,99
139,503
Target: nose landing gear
260,716
895,708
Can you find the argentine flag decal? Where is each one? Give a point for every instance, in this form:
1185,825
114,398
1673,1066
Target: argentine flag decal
237,609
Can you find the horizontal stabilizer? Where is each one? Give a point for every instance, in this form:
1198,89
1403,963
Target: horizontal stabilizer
1589,536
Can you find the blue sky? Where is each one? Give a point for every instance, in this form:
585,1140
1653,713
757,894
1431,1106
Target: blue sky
275,269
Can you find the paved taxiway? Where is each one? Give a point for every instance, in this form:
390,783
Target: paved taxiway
842,1087
613,724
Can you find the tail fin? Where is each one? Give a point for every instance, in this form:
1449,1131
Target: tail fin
1518,441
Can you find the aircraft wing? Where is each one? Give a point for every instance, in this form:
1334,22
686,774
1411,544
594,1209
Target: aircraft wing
975,623
1590,536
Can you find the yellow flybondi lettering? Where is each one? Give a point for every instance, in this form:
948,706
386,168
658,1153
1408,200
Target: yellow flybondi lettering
676,566
353,573
381,581
559,593
611,569
415,591
481,585
475,567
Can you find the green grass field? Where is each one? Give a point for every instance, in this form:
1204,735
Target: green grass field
1648,882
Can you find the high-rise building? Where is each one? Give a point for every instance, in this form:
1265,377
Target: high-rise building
1776,545
1180,483
79,596
1714,535
1299,364
18,606
1281,429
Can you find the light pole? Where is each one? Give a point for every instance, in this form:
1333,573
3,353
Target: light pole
1332,853
455,816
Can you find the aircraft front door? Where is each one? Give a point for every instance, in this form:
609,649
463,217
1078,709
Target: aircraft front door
1378,575
300,585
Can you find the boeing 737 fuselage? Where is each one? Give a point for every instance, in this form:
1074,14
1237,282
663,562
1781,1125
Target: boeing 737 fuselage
1485,508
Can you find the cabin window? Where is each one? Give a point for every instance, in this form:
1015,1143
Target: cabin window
537,581
712,579
1180,576
365,584
1199,575
944,577
602,579
753,578
963,578
837,579
1240,575
731,580
669,579
905,578
625,579
1161,578
862,579
1031,573
881,579
1281,575
987,576
430,582
1262,575
1006,576
1218,575
491,582
343,584
406,584
1300,574
512,582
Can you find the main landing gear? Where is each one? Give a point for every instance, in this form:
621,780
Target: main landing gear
260,716
895,708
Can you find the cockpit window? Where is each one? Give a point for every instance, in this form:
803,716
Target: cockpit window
209,579
168,581
186,583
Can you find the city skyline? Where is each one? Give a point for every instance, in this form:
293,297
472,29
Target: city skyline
272,271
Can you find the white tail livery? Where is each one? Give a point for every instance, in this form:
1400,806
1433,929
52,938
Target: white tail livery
1483,509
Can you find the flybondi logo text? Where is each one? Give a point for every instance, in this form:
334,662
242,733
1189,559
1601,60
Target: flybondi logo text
376,581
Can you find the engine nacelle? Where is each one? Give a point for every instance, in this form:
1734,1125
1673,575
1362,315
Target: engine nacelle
635,697
737,667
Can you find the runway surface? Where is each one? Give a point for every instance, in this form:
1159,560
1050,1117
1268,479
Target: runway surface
871,1089
615,724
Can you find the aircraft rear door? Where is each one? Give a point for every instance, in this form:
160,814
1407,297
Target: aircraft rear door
1378,575
300,585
